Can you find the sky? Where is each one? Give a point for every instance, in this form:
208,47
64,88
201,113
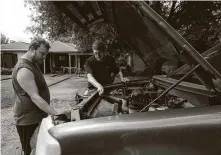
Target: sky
14,19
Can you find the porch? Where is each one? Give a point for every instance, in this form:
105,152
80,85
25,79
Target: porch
64,63
63,58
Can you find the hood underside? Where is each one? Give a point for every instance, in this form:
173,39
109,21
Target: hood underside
149,42
139,32
148,35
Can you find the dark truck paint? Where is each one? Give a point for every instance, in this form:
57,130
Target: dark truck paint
193,131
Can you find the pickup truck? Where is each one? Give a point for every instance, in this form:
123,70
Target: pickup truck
158,115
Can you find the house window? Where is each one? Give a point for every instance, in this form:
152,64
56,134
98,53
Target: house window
61,57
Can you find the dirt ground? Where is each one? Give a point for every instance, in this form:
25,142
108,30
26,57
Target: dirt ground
62,98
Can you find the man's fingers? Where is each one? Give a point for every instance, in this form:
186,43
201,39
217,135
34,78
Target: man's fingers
100,93
125,80
100,90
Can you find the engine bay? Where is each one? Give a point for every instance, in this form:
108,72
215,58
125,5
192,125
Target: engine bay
133,97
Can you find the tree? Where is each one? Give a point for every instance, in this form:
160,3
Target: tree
49,20
4,39
198,22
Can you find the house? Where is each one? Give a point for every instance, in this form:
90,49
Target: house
135,63
66,56
10,53
62,57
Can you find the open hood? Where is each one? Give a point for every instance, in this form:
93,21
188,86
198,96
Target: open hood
147,40
143,30
153,38
139,32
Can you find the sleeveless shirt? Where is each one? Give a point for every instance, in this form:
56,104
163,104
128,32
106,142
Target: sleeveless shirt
26,112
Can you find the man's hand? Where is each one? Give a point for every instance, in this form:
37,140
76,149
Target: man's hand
94,82
124,80
63,112
54,112
100,90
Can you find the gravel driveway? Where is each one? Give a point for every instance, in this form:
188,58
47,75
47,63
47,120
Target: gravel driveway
62,98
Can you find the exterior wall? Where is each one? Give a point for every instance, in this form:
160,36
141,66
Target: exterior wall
52,60
9,59
76,60
73,61
19,54
60,60
169,66
136,63
83,58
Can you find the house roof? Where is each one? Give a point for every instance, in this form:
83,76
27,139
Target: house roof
17,46
60,47
56,47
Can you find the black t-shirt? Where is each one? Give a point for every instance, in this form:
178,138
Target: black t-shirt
101,71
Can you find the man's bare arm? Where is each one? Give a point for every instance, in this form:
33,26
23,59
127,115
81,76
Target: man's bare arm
27,81
96,84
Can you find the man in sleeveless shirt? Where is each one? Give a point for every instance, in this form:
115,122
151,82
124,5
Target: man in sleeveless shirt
101,68
32,97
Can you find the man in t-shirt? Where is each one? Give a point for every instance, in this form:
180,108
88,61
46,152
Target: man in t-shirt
101,68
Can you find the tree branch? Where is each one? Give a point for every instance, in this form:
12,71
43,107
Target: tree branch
172,10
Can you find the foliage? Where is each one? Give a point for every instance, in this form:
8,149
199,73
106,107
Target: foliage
6,71
85,37
198,22
4,39
48,20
